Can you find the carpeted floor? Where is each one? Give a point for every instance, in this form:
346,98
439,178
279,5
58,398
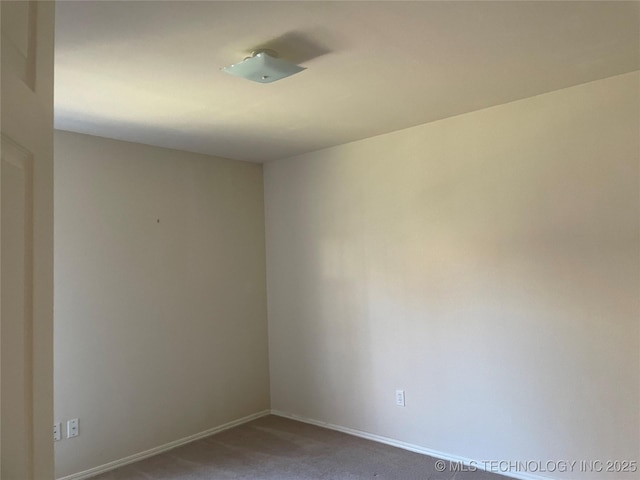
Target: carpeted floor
272,447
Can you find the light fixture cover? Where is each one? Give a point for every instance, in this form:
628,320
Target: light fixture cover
263,68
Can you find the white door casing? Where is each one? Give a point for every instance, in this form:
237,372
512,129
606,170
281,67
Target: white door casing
26,240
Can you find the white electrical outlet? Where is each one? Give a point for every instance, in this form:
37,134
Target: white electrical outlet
57,431
400,398
72,428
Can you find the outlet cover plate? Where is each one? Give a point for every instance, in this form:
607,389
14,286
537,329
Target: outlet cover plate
72,428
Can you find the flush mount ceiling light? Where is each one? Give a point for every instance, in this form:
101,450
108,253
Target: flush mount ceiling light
263,66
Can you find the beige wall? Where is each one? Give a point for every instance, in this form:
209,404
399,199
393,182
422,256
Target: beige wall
160,327
488,264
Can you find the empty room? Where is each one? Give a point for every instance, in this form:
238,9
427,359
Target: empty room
320,240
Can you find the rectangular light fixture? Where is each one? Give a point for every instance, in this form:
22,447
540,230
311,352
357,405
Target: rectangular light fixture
263,68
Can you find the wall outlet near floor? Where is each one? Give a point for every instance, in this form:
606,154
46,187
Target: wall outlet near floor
400,398
72,428
57,431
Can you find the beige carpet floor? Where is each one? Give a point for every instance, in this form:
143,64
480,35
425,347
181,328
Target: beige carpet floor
272,447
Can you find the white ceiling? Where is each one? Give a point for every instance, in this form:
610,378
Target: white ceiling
149,72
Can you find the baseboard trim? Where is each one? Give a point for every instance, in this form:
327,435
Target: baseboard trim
162,448
405,446
349,431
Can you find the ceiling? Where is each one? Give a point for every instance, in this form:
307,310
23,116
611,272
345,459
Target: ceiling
149,72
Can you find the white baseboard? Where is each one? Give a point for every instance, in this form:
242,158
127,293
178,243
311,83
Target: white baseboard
468,462
350,431
162,448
